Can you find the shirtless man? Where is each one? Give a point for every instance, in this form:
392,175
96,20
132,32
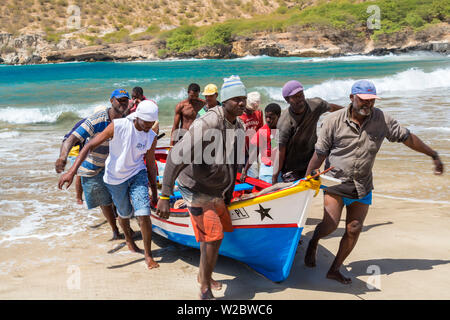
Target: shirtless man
186,112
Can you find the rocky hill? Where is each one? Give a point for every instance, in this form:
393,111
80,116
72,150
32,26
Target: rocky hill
40,31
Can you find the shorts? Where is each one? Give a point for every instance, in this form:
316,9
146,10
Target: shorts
366,200
209,216
130,194
71,160
266,172
95,192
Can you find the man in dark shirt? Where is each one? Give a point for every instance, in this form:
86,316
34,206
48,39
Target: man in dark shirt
207,187
297,131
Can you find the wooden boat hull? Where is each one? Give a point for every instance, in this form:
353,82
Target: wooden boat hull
266,229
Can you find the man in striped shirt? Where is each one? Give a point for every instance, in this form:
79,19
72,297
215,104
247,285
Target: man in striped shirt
93,168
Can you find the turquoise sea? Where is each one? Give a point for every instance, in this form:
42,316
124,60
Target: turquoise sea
40,103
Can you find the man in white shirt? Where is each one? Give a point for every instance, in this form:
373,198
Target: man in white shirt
126,174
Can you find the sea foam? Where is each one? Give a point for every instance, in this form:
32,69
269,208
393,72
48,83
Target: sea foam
411,81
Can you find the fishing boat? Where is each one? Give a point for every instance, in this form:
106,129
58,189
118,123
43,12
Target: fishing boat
267,223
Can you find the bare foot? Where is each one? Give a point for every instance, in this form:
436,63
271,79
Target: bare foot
134,248
215,285
80,201
206,295
151,264
117,236
336,275
310,256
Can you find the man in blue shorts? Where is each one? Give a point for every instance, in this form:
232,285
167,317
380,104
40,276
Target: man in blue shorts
349,140
126,175
92,169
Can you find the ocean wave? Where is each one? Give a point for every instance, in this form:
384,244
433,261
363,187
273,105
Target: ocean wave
9,134
133,81
55,114
411,199
415,128
274,93
69,113
410,81
173,95
250,57
42,221
390,57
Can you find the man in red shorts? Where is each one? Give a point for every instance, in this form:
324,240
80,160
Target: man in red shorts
206,180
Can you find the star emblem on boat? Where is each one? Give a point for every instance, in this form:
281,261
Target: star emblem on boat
263,212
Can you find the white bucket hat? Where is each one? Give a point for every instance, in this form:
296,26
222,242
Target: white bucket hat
253,100
146,110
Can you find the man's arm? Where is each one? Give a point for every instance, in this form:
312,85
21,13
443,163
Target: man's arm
175,163
279,164
176,122
335,107
64,151
253,155
315,163
418,145
93,143
151,171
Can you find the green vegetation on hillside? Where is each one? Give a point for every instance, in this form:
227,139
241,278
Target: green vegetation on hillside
212,23
339,14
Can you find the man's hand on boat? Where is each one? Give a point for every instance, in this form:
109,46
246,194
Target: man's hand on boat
163,209
66,177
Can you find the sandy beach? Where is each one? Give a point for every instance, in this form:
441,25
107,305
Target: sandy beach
406,242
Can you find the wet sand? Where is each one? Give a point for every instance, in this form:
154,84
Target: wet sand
407,242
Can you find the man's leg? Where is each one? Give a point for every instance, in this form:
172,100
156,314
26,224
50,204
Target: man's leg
109,215
209,252
125,225
214,285
146,229
356,213
332,210
78,189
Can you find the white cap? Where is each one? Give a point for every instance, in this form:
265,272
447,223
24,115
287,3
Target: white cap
253,100
146,110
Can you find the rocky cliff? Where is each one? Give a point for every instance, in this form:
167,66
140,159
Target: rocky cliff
33,48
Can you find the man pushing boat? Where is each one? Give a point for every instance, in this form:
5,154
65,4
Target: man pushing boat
297,131
349,141
207,185
126,175
92,170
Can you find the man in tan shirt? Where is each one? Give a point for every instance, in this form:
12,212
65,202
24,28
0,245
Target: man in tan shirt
349,141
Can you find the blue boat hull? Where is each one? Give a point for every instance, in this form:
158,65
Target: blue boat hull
269,251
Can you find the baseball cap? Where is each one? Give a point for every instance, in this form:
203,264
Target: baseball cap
120,93
210,89
364,89
146,110
291,87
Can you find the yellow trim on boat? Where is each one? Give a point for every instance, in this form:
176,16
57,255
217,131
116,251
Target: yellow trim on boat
302,186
